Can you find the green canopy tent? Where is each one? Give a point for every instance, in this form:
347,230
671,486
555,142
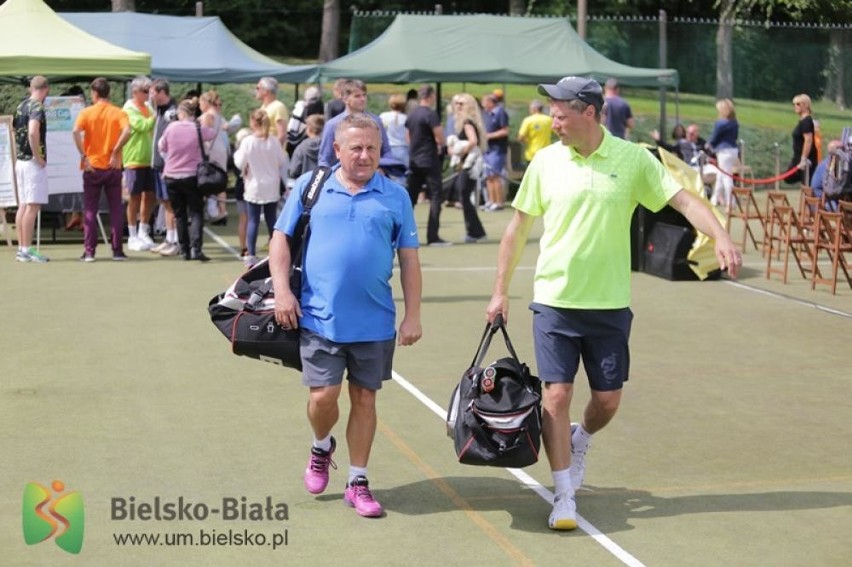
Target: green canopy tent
36,41
484,49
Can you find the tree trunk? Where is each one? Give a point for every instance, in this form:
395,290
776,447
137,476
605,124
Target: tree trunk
835,84
517,7
330,30
725,51
123,5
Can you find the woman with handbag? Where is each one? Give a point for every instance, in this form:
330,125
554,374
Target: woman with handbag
218,149
263,164
182,153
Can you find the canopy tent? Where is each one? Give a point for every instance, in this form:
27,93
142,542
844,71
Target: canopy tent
189,49
37,41
484,49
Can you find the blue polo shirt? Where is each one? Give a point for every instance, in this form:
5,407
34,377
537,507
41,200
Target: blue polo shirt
346,291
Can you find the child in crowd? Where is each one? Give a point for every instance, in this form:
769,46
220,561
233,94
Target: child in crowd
306,153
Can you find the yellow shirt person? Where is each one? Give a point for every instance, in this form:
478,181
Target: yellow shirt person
535,131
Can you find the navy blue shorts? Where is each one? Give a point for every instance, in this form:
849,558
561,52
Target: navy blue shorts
600,336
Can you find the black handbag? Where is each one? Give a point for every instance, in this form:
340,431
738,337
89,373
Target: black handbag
245,312
212,179
494,416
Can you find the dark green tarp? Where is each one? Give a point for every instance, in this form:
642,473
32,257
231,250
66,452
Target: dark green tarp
484,49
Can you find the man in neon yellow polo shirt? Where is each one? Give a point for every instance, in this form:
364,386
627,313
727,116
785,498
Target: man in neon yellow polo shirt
585,188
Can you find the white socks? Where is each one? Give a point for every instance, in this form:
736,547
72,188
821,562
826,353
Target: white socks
356,471
324,444
561,482
580,440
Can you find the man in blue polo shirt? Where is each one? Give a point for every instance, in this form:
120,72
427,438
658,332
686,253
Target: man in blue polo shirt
346,310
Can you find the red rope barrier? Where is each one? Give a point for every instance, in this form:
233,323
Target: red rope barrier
764,181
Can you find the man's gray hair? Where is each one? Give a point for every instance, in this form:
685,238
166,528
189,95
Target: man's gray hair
355,120
140,83
269,84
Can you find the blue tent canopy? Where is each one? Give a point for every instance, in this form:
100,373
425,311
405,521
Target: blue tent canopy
188,49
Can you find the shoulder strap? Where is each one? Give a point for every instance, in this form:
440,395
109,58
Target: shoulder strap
312,192
200,141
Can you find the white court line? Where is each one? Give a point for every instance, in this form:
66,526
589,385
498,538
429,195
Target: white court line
221,242
530,482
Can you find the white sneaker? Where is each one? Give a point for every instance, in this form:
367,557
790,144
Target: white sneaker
134,244
171,249
564,514
577,470
159,247
249,261
146,241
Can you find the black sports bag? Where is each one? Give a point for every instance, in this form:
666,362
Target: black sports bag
494,416
245,312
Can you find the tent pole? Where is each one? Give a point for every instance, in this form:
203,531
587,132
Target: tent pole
663,45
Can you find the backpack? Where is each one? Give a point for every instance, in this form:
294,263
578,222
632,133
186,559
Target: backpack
494,416
838,174
245,312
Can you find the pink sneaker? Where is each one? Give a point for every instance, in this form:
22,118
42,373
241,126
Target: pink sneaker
358,495
316,474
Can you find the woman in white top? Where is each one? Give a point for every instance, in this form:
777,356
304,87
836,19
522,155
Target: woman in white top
263,164
394,121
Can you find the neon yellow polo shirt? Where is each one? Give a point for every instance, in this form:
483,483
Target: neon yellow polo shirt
586,205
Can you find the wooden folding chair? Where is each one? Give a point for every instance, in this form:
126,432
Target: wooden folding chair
773,199
834,235
745,208
785,233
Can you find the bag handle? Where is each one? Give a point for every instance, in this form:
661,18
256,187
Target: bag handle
489,332
201,142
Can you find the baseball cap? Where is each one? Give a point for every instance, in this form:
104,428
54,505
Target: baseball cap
571,88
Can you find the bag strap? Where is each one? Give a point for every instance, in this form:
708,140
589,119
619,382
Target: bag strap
489,332
312,192
302,232
200,142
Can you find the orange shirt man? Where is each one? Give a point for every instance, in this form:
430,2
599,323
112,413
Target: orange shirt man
100,132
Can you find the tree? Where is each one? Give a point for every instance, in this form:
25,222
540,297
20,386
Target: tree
330,37
517,7
725,50
123,5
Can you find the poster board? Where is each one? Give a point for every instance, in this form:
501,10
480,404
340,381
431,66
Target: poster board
8,191
63,159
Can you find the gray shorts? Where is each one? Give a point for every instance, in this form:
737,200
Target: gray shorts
600,336
367,364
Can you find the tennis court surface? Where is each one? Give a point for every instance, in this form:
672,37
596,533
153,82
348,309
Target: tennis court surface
731,448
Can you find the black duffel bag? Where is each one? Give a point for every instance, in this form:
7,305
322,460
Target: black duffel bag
494,416
245,312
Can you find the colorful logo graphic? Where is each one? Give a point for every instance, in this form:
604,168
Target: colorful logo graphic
46,514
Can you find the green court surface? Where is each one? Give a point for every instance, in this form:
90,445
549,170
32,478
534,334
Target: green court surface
732,446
